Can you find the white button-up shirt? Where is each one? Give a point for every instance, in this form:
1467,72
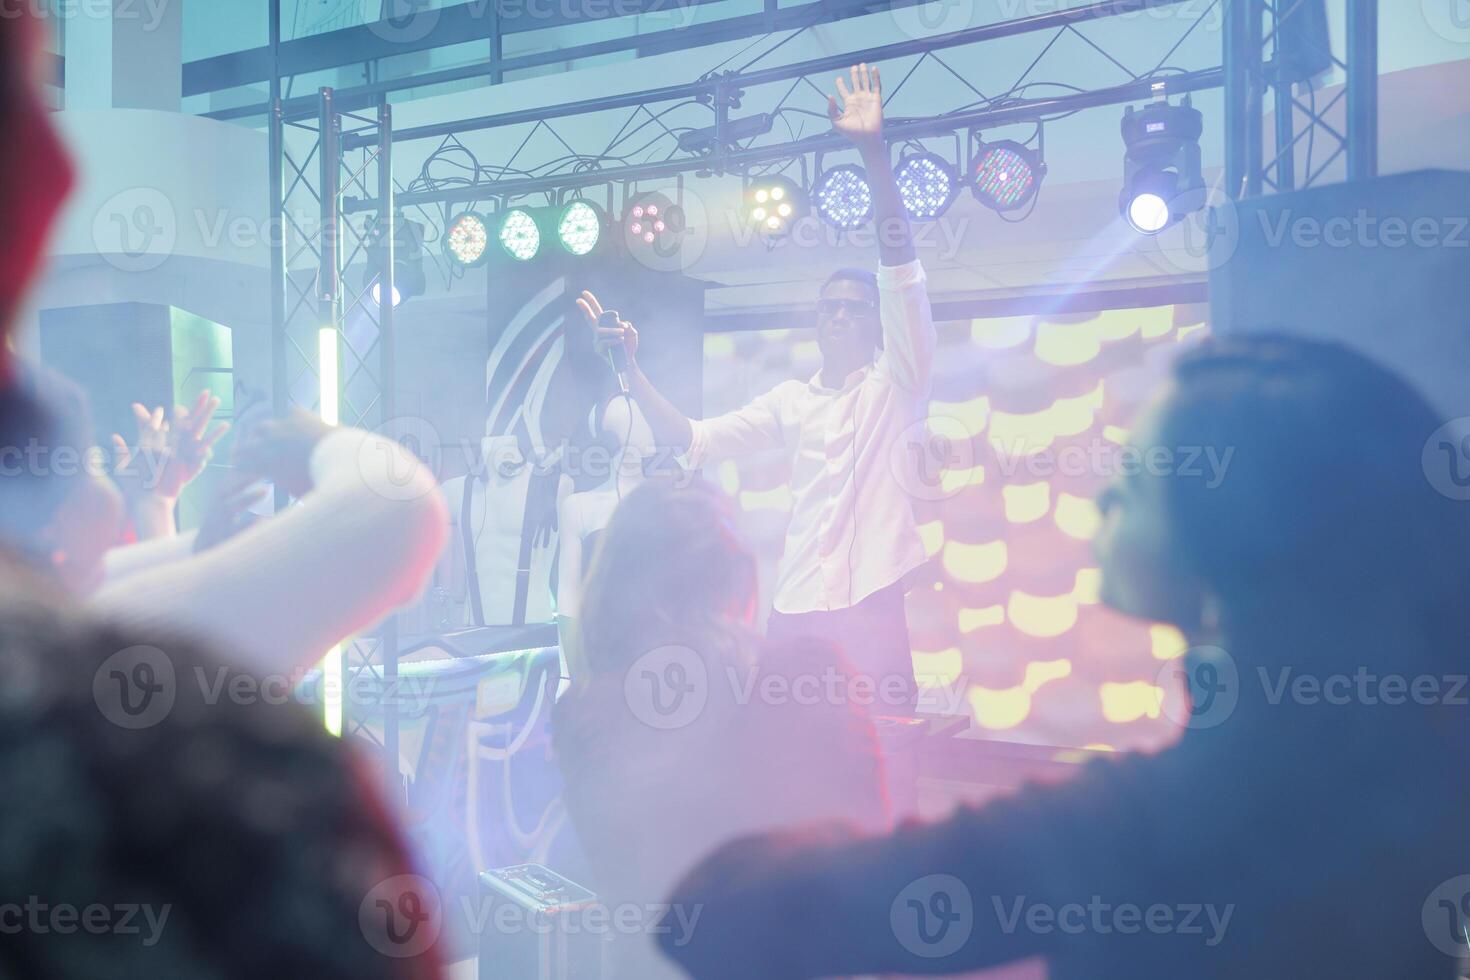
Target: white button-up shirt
852,528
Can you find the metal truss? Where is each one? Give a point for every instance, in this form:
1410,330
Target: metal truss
752,121
482,20
317,314
1255,67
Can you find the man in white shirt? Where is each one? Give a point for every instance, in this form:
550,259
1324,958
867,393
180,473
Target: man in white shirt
852,537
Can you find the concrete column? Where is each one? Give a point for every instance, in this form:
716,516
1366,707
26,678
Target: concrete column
123,54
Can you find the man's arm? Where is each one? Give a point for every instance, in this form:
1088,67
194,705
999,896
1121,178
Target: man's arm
670,426
752,428
947,897
363,541
860,119
908,323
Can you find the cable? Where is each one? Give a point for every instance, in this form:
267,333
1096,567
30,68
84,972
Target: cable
618,477
572,162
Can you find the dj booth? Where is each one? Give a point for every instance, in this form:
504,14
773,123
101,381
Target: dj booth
480,788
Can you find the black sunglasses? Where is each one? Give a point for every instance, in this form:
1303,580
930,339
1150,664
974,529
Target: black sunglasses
855,307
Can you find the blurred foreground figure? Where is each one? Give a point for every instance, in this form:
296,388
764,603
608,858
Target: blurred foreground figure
274,596
1312,819
152,825
151,829
684,729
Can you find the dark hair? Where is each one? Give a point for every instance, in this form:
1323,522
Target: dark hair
244,819
40,412
599,408
852,273
1325,510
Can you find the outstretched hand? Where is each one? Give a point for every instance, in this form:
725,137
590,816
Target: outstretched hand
604,338
860,117
174,450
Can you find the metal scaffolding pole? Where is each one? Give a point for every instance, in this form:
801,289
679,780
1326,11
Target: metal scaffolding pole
280,393
328,291
1362,89
387,374
1248,77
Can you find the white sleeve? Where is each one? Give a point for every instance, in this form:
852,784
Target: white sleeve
746,430
278,595
909,339
123,561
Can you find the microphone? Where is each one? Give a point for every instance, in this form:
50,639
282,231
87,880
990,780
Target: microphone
617,356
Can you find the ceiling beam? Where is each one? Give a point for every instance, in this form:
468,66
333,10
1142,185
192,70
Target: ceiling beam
473,21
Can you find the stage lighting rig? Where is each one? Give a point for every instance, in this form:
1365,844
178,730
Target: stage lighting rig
467,240
1161,168
927,185
519,234
1005,175
578,227
652,222
773,204
842,197
522,233
408,259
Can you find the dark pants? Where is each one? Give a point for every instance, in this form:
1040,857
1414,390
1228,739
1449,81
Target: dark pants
874,637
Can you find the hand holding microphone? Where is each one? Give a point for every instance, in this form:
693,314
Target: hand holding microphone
612,336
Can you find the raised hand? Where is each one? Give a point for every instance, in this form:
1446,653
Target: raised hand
152,437
174,451
604,338
860,117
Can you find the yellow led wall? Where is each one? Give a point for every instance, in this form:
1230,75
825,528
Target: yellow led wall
1005,616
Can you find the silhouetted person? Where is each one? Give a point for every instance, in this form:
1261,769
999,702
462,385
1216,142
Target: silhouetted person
1295,830
155,820
361,540
161,822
